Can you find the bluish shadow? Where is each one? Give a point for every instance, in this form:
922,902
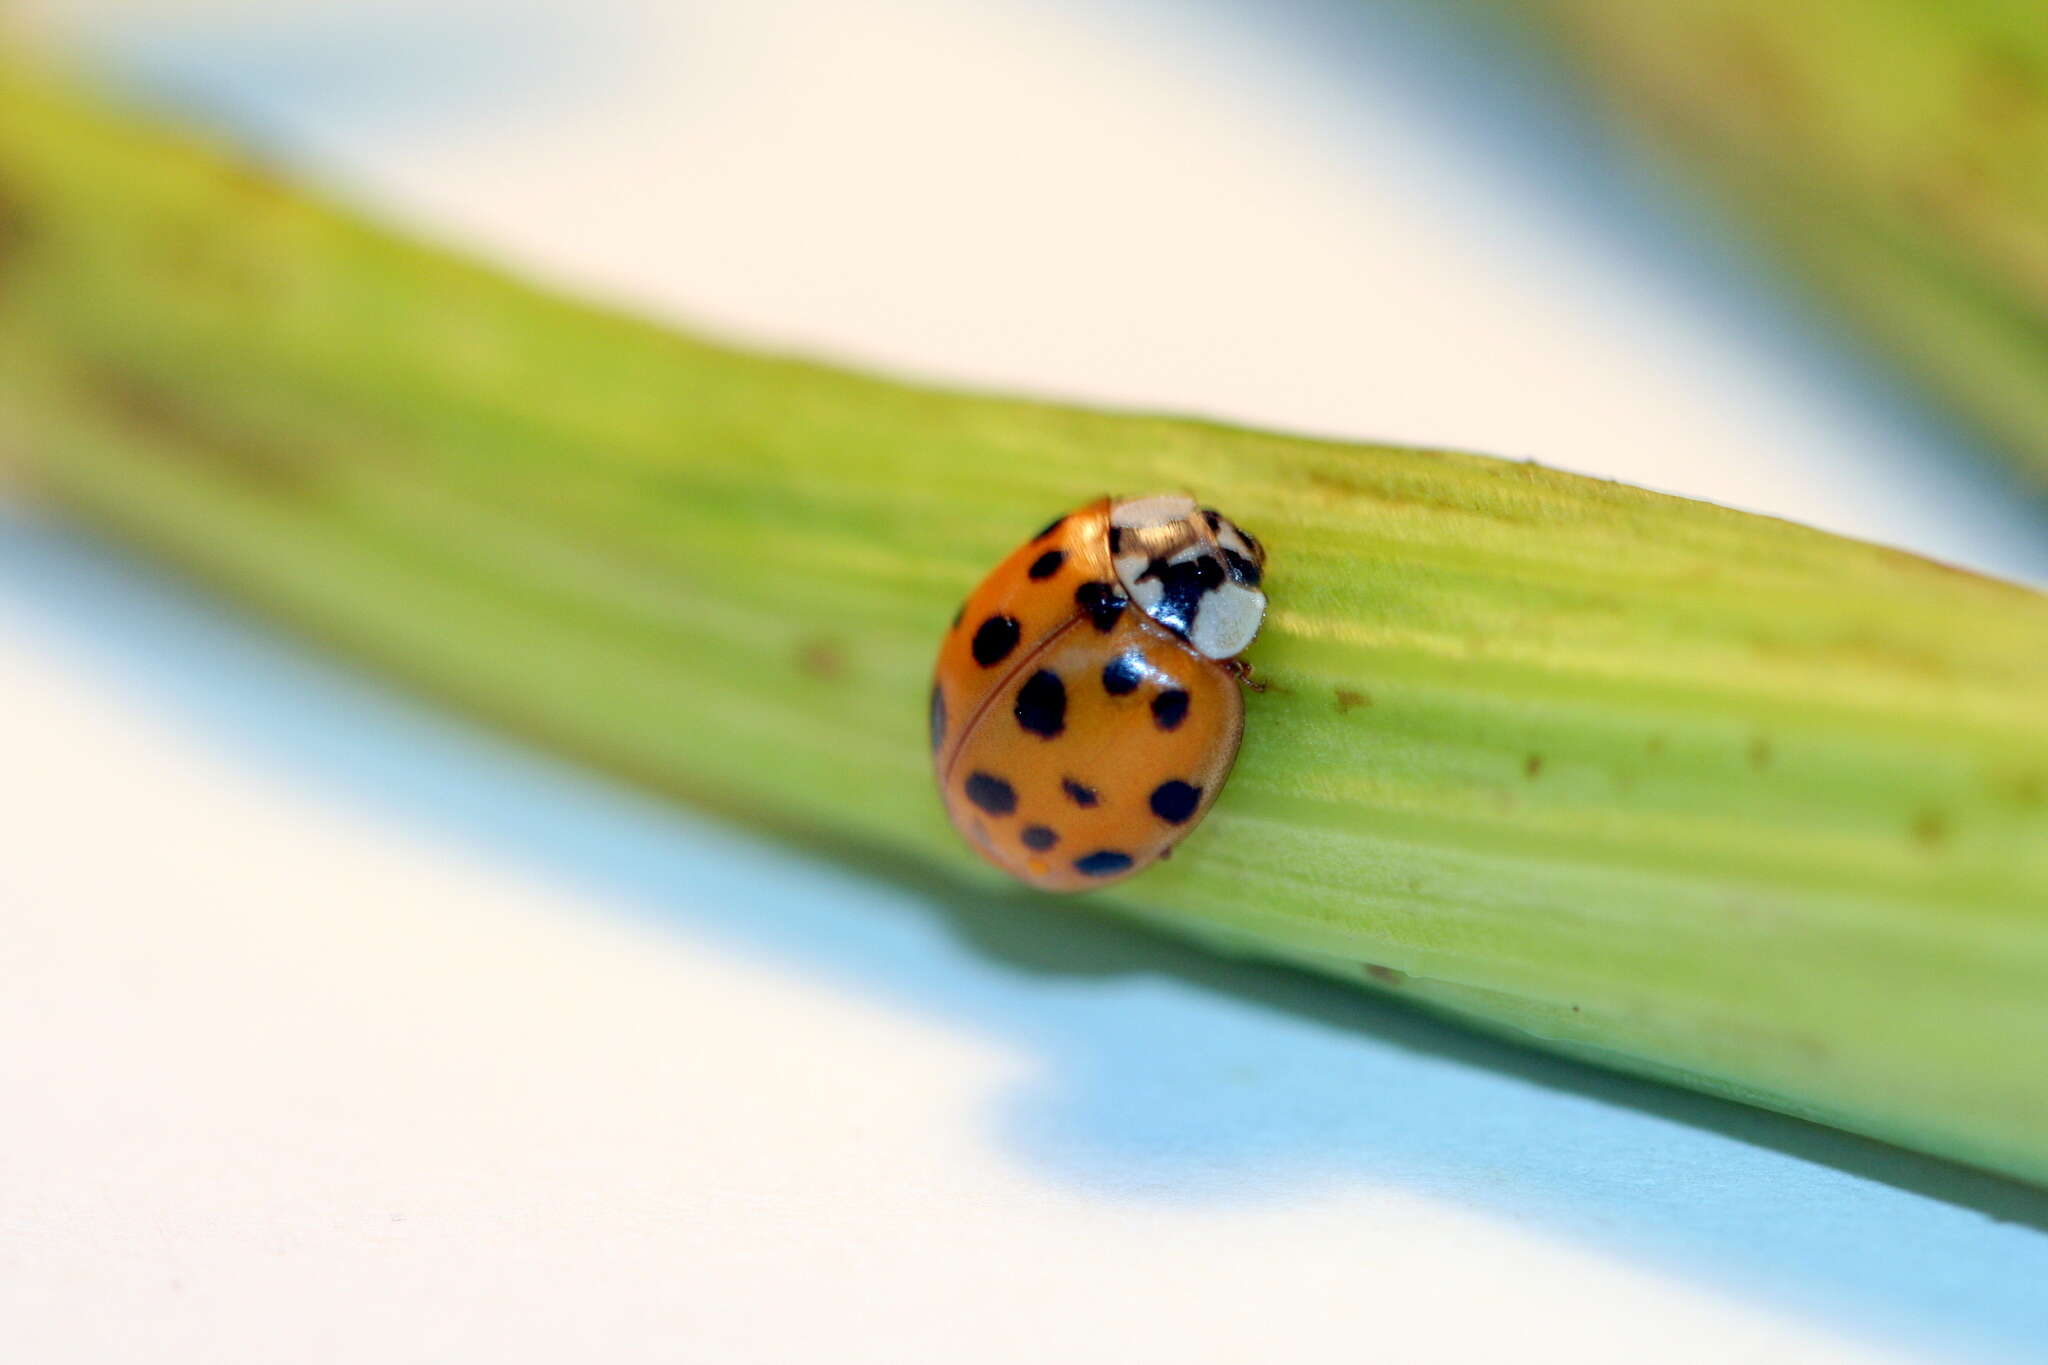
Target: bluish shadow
1163,1073
307,82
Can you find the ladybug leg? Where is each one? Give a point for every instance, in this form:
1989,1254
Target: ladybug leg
1243,671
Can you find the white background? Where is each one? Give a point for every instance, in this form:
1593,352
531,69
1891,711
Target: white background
334,1031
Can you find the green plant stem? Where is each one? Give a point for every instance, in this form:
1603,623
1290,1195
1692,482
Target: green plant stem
1690,792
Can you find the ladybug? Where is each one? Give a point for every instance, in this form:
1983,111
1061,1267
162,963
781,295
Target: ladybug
1085,710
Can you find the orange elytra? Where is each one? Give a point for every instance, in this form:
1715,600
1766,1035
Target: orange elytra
1086,706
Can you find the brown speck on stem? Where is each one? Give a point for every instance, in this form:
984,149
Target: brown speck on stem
1930,829
2025,789
1754,68
1655,748
1532,766
14,225
1347,700
1386,976
179,427
1760,753
2003,87
1947,187
822,659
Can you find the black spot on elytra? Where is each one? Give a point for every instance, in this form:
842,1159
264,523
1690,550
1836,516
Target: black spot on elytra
1042,704
991,793
938,716
1174,801
1081,796
1046,565
1103,862
1038,838
1103,604
1243,570
1169,709
994,639
1050,527
1121,675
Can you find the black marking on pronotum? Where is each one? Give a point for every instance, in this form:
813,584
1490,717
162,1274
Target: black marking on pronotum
1215,520
1081,796
1042,704
1038,838
1046,565
1116,540
1174,801
938,717
1183,587
1169,709
1050,527
994,639
1103,862
991,793
1244,570
1103,604
1121,675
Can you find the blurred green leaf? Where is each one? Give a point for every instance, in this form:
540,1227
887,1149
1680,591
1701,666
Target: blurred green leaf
1896,150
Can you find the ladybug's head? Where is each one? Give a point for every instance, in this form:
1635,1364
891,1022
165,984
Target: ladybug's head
1191,569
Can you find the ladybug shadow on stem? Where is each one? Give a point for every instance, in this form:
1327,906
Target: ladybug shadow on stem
1042,935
